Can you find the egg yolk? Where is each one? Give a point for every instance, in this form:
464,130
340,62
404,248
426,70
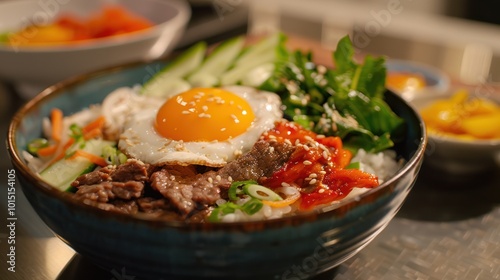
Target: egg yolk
405,81
204,114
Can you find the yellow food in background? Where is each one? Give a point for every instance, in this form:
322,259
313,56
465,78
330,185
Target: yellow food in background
400,81
464,117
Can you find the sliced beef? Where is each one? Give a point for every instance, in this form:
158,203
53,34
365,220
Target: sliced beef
94,177
127,207
106,191
132,170
263,159
187,190
178,193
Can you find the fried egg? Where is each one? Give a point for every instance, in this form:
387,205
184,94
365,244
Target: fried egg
202,126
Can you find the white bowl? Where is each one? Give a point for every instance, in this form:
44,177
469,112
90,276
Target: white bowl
454,155
36,67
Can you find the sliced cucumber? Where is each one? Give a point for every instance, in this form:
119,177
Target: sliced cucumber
264,52
216,63
63,172
167,82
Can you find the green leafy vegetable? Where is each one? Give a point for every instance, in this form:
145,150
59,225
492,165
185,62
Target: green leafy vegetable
346,101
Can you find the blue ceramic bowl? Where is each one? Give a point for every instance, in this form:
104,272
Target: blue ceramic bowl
287,248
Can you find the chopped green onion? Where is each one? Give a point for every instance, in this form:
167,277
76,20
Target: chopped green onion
261,192
113,156
236,188
37,144
76,131
223,209
252,206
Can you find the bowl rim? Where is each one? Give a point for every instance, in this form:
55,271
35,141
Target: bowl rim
336,210
182,16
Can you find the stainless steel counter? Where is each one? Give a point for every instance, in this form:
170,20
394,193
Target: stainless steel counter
445,230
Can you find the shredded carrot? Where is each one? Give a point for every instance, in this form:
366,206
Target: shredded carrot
96,132
56,116
93,158
62,152
282,203
47,151
95,124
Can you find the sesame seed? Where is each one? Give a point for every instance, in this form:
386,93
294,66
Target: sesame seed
205,115
204,108
321,190
313,175
272,137
306,147
172,177
307,162
218,178
322,172
271,149
223,129
313,181
283,184
325,154
320,136
210,180
297,142
186,112
309,138
235,118
192,110
288,142
230,179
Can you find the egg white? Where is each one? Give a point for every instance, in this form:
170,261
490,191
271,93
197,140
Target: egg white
140,139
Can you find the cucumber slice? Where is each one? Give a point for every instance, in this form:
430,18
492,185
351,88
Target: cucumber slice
166,82
63,172
216,63
264,52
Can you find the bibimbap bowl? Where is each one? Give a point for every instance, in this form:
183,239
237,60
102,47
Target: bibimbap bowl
296,246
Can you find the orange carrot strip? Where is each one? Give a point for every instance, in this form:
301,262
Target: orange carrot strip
97,123
63,150
47,151
92,133
56,116
93,158
282,203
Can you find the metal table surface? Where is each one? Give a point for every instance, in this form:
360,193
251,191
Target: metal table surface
445,230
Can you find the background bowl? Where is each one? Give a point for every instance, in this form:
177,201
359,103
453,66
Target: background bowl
456,156
290,247
33,68
435,80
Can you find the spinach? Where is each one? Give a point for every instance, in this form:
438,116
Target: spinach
346,101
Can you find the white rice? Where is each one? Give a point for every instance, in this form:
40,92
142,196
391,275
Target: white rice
382,164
